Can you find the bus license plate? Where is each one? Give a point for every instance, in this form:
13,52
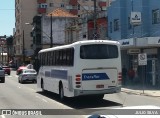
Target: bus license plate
100,86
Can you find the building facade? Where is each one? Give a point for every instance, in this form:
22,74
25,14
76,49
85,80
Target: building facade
24,12
143,37
3,51
27,44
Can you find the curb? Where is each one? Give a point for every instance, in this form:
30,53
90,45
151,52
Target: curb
139,93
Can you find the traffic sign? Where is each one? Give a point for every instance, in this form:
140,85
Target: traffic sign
142,59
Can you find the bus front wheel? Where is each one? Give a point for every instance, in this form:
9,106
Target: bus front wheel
61,92
42,86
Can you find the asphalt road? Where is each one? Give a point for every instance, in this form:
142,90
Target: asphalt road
14,95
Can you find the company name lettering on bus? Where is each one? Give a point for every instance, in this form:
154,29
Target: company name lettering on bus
125,43
94,76
91,76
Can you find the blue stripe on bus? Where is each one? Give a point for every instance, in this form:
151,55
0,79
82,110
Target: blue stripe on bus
47,73
94,76
62,74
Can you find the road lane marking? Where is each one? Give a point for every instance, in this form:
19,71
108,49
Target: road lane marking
38,97
44,100
18,86
41,98
3,116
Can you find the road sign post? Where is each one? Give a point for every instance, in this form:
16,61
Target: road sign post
142,61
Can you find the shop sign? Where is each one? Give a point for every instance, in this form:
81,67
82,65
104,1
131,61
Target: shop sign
126,42
134,51
135,18
153,40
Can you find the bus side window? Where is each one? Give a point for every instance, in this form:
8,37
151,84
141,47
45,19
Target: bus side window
71,57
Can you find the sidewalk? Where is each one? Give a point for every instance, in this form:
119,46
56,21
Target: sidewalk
138,90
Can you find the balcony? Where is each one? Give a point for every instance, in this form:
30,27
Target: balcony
41,10
74,11
73,2
41,1
102,4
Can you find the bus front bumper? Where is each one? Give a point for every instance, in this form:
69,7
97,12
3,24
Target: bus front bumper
95,92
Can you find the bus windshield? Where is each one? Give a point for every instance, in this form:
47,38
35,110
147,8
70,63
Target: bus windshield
98,51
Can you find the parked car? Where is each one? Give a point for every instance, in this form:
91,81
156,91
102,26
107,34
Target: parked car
19,70
29,66
27,75
2,75
7,69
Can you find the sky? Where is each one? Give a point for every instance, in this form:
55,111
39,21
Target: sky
7,17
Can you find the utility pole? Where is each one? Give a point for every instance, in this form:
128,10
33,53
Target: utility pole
23,49
132,11
2,52
95,18
51,38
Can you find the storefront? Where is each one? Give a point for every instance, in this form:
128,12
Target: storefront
130,48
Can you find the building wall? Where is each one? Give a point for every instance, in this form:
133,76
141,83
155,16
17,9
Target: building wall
144,37
121,9
25,10
114,13
154,28
85,5
58,30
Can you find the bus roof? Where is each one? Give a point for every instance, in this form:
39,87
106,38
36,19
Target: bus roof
79,42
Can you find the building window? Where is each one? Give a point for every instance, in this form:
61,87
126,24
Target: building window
79,7
51,4
155,16
116,24
129,23
43,5
62,5
110,27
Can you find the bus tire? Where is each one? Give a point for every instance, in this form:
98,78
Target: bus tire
61,92
3,80
42,86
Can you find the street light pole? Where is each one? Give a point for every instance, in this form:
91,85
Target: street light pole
23,49
95,18
51,38
2,52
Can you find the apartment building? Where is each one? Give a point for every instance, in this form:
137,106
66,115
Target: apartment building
3,51
26,10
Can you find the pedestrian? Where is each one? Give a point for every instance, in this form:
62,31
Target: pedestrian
124,75
131,74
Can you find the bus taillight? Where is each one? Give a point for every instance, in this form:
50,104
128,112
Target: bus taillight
78,81
119,78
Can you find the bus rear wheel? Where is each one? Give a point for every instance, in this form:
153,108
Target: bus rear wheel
61,92
42,86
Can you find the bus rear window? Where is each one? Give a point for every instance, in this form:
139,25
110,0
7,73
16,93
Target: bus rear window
98,51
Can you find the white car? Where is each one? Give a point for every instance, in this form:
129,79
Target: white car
27,75
29,66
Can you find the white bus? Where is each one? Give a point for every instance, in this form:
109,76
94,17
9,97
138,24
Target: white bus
91,68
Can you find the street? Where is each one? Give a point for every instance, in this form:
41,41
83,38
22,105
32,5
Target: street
27,96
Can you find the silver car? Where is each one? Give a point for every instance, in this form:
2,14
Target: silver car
27,75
